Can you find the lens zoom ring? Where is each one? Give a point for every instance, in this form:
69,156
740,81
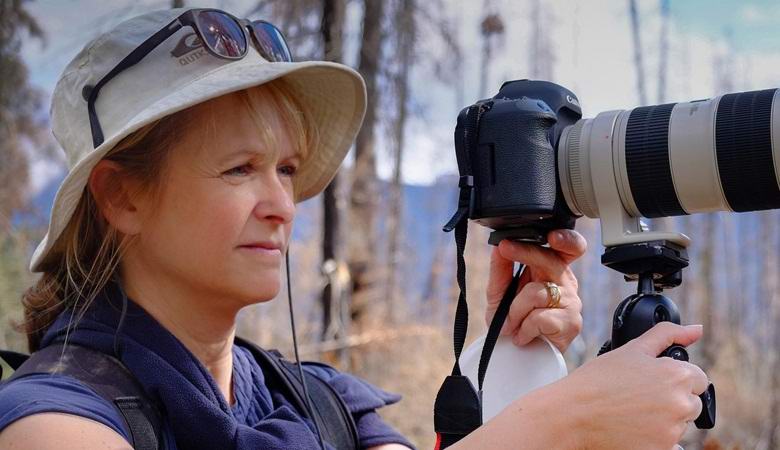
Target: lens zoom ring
743,143
578,164
647,161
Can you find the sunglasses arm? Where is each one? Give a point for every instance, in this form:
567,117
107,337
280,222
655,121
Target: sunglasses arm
90,93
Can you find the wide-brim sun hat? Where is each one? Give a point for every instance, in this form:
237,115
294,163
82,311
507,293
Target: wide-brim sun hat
177,75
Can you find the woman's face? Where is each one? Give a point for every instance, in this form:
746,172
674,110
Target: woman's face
223,221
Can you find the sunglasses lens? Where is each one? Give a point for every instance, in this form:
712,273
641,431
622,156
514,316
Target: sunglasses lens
222,34
271,43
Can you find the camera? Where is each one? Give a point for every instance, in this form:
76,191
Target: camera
536,165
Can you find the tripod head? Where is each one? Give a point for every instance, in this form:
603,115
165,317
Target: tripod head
655,265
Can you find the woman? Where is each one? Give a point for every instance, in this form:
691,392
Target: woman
187,158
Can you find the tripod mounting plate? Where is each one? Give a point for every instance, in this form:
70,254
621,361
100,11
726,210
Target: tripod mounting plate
663,259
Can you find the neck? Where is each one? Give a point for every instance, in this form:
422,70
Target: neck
204,326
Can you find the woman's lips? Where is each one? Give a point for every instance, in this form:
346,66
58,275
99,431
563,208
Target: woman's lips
263,249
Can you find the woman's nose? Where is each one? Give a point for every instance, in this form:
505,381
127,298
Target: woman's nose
277,202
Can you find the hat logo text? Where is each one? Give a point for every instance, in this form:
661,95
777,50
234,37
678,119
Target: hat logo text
189,49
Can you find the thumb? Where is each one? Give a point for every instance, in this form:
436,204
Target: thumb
664,334
499,278
569,244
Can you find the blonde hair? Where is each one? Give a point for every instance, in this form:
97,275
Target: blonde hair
87,253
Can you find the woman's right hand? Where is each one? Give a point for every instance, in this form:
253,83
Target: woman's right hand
629,398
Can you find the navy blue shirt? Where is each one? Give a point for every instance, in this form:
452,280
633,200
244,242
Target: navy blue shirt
254,402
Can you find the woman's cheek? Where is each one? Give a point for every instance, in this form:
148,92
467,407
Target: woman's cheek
223,215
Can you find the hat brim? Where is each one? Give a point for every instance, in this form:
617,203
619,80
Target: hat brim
333,94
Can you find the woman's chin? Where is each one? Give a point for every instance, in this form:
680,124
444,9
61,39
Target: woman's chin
249,288
263,298
261,292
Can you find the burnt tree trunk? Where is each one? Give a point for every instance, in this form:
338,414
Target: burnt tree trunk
332,40
706,305
363,195
771,297
405,39
635,33
663,51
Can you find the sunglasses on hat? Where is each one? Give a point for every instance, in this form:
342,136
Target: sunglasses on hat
222,34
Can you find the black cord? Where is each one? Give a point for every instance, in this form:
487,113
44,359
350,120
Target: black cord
121,318
297,358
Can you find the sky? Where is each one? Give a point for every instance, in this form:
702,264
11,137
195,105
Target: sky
590,41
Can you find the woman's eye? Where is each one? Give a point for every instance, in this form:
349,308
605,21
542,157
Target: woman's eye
240,171
288,170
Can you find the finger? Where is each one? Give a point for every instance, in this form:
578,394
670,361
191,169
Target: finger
569,244
545,262
552,323
695,408
532,295
699,380
664,334
501,271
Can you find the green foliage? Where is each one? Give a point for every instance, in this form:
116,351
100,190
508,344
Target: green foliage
19,103
15,278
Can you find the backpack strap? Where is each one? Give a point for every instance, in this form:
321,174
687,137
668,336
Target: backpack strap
10,362
108,377
330,412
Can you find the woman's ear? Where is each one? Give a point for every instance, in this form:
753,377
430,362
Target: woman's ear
112,192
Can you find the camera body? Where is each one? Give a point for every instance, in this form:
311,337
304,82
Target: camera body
514,161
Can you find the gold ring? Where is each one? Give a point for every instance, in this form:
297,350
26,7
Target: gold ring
554,292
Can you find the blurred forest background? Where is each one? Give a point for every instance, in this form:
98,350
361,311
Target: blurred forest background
374,275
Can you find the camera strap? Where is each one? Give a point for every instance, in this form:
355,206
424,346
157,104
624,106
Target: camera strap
458,406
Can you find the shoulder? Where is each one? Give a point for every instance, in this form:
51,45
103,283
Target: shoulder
52,430
59,399
363,399
360,395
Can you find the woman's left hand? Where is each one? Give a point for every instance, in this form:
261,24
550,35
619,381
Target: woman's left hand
529,315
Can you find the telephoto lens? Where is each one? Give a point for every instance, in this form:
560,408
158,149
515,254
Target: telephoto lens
719,154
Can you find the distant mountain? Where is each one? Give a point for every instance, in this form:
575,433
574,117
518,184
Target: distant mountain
425,210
